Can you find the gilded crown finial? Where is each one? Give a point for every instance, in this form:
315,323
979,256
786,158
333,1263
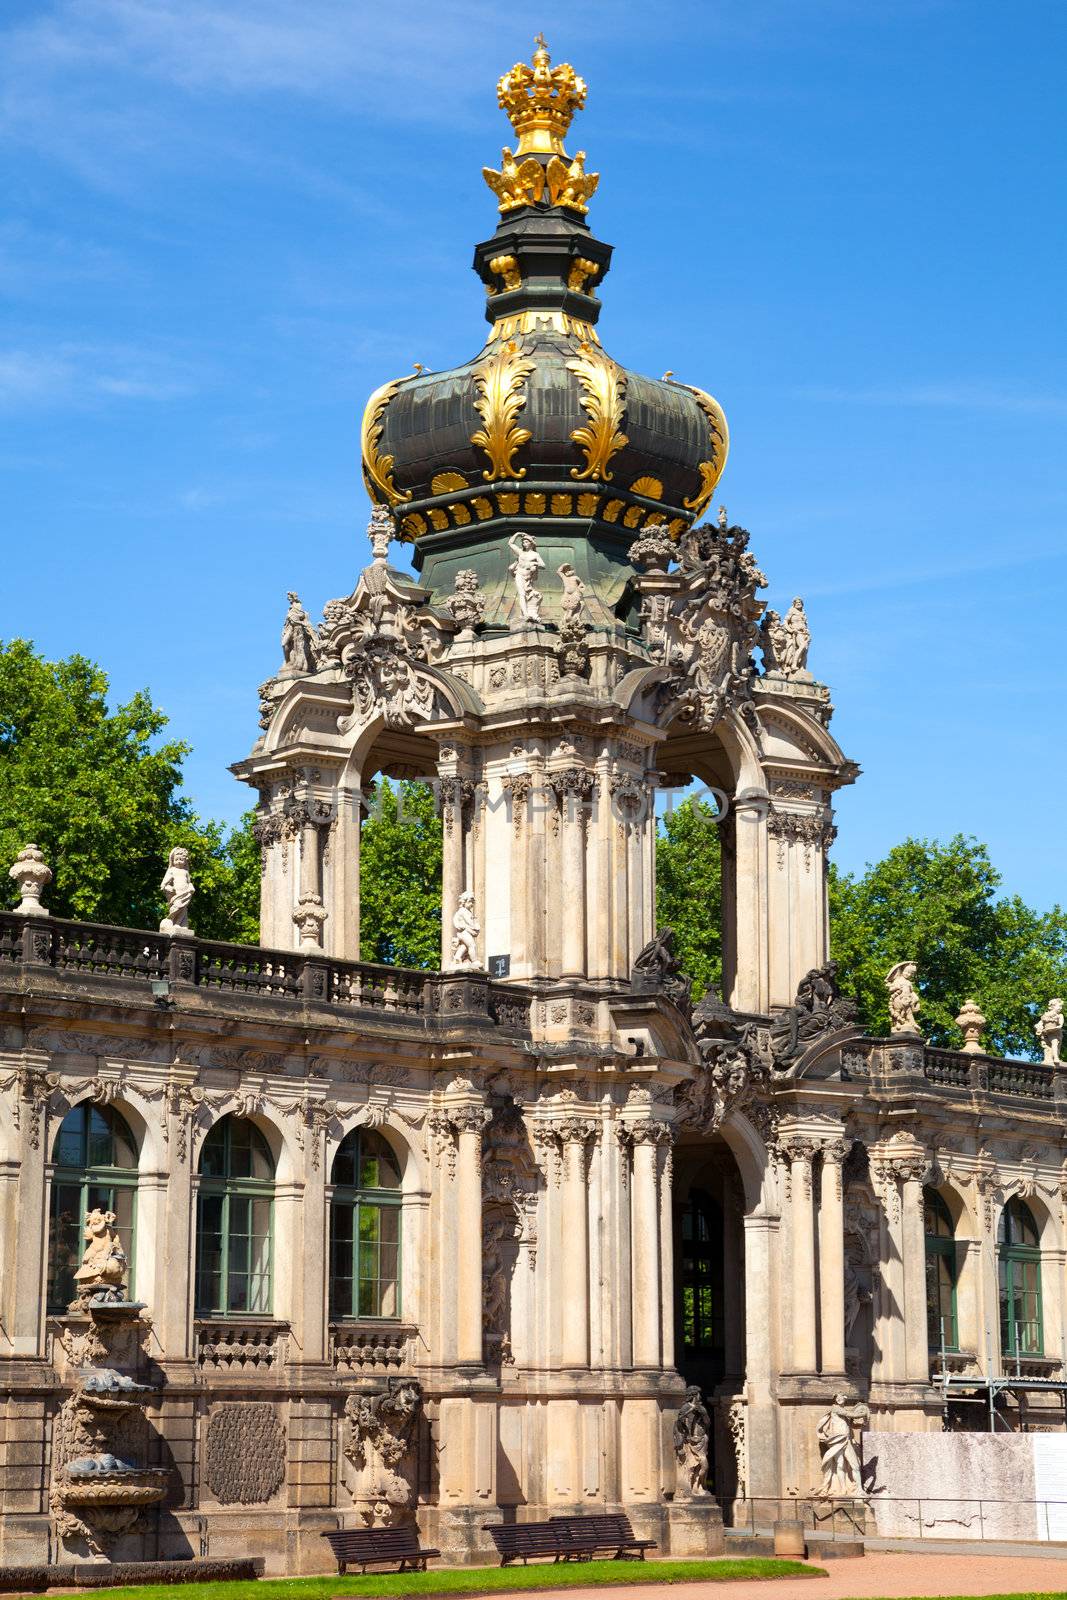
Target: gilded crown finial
540,101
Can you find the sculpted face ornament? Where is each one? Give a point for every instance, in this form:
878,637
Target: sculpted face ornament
383,679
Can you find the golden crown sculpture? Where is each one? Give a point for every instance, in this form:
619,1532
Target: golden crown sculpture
540,101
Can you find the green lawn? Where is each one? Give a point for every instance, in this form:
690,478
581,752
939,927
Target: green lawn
473,1580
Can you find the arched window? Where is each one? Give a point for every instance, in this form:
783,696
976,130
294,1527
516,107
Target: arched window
942,1326
1019,1262
234,1220
95,1166
365,1215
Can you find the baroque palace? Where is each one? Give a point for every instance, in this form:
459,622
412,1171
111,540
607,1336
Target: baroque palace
292,1241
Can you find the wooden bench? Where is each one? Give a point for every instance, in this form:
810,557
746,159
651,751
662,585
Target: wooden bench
518,1541
608,1531
367,1547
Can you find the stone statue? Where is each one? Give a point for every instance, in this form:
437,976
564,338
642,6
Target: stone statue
692,1437
524,569
465,931
177,887
798,639
466,603
773,641
572,603
299,640
903,998
657,967
32,874
1049,1031
103,1266
840,1449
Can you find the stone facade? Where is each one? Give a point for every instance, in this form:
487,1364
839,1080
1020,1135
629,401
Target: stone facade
527,1234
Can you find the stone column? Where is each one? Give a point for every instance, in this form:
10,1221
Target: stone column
573,787
913,1240
666,1247
574,1133
468,1123
799,1154
645,1282
453,874
24,1286
309,817
751,977
832,1258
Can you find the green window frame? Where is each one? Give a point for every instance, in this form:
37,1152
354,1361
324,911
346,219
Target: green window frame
235,1222
942,1273
1019,1277
700,1274
366,1219
94,1165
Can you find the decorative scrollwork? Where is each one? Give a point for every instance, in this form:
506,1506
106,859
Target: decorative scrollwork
499,382
378,468
603,400
710,471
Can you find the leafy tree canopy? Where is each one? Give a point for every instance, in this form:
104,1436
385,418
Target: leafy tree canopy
937,905
99,791
400,877
689,889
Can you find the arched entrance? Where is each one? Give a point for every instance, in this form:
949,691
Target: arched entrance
709,1290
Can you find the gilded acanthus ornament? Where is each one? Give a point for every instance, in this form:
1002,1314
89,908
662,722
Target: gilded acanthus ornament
603,400
378,468
540,100
712,469
501,397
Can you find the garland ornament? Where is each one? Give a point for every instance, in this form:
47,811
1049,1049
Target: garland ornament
378,468
499,381
603,400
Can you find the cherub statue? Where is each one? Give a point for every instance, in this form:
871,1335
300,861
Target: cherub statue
103,1266
692,1436
836,1433
1049,1031
299,640
903,998
465,931
524,569
178,890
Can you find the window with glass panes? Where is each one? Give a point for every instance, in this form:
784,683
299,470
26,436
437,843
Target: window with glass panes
701,1275
1019,1263
365,1217
234,1224
95,1168
941,1322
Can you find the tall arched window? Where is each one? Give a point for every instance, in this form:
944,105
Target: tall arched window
1019,1262
942,1326
95,1167
365,1216
234,1221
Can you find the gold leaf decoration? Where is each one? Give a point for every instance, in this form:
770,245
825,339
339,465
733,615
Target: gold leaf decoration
603,387
438,518
710,471
535,505
483,507
517,183
633,516
460,515
442,482
377,468
587,504
507,504
500,388
561,505
507,267
611,511
414,523
651,488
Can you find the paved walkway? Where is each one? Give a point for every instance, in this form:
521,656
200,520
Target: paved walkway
879,1573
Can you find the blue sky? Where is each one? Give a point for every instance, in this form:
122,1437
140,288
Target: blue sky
228,220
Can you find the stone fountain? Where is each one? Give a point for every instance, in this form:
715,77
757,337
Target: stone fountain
99,1490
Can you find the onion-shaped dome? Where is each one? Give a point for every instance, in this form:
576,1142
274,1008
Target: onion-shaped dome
541,429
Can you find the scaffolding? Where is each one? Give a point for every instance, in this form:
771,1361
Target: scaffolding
985,1388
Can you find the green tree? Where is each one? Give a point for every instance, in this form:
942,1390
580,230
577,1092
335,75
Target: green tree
689,889
400,877
100,792
937,905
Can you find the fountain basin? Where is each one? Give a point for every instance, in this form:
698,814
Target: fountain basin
125,1487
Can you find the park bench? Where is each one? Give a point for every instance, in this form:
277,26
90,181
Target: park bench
607,1531
366,1547
518,1541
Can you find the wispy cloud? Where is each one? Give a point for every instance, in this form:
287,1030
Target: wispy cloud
960,395
76,375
